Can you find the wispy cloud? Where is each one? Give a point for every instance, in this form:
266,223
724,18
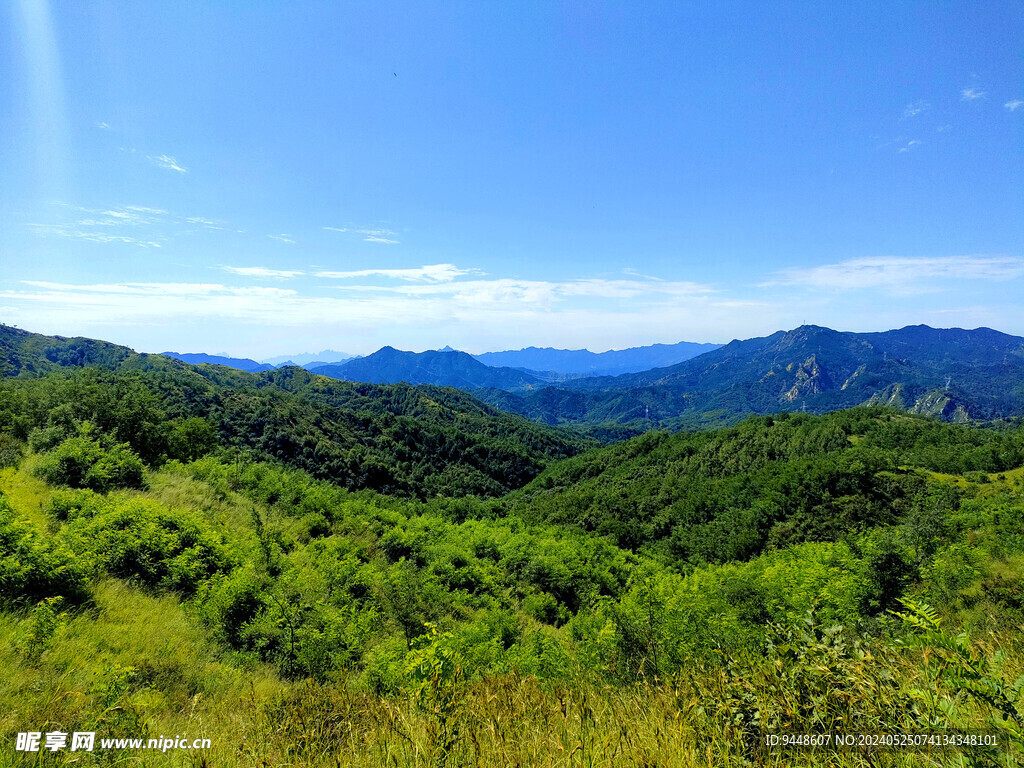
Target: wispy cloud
910,145
546,293
494,305
113,225
91,235
141,225
204,223
901,274
282,238
168,162
144,209
281,274
970,94
633,273
103,125
1014,105
430,273
915,109
378,235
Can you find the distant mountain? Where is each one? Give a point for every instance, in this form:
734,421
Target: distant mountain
314,364
242,363
305,358
586,363
952,374
447,369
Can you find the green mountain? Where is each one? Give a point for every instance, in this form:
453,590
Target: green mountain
399,439
31,354
952,374
446,368
770,481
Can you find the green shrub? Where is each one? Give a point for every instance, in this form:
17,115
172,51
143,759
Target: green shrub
68,504
46,438
39,630
80,462
954,570
158,547
11,450
33,568
190,439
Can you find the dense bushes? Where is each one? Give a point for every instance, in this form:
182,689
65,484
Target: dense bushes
33,567
768,482
158,548
80,462
730,533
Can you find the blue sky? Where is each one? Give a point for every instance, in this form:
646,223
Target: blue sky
270,178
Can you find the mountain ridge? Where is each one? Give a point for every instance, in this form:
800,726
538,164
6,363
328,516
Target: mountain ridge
587,363
441,368
241,363
950,373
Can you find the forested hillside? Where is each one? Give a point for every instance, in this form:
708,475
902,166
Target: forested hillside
395,439
309,572
768,482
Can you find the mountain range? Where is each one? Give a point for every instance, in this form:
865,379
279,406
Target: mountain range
952,374
308,359
586,363
242,363
546,364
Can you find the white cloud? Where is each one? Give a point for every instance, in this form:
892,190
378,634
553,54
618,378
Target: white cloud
915,109
282,238
130,224
168,162
103,125
902,275
81,231
910,145
511,297
1014,105
489,306
378,235
632,272
430,273
970,94
144,209
283,274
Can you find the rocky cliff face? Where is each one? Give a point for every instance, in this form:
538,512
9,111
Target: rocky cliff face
938,403
810,379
